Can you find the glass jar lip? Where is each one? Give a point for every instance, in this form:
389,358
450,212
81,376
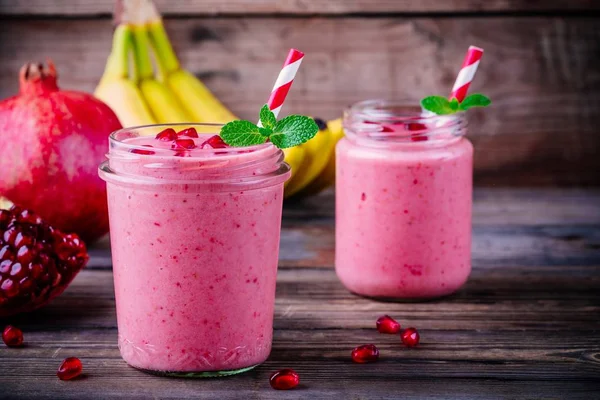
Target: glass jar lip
398,121
380,110
247,167
197,153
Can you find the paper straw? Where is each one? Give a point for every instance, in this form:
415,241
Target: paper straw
466,74
284,80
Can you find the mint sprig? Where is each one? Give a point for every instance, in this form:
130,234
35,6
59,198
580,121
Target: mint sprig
287,132
442,106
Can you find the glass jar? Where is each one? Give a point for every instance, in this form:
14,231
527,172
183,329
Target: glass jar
195,241
403,202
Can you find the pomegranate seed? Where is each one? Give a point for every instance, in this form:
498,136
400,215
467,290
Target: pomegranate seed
167,135
387,324
12,336
10,235
416,126
284,379
5,266
23,240
25,255
6,253
410,337
365,354
214,142
17,270
189,132
142,151
183,144
70,368
10,288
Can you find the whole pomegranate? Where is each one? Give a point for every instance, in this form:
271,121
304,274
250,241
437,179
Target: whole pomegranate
53,141
37,262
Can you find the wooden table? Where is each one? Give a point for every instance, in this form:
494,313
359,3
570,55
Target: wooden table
525,326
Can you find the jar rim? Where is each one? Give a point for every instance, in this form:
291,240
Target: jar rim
400,121
251,166
197,152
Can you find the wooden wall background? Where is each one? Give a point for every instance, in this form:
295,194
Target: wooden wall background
541,67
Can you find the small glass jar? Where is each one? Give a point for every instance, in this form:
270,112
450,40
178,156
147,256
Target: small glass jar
195,242
403,202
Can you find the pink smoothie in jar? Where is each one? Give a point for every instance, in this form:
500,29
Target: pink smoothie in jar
195,241
403,202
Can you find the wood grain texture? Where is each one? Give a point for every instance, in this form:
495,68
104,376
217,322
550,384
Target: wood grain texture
512,332
541,72
525,227
302,7
524,326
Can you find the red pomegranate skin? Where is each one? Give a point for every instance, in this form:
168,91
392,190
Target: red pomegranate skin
53,142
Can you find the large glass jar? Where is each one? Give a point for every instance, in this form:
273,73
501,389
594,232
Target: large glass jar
195,241
403,202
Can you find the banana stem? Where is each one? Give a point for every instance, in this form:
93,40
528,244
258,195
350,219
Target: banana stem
141,47
118,60
166,57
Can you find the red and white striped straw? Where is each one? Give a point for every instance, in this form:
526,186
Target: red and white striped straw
466,74
284,80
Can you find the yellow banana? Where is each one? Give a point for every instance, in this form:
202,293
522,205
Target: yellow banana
317,153
194,96
164,105
294,157
115,88
327,177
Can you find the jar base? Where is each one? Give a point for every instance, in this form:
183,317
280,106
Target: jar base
387,299
194,375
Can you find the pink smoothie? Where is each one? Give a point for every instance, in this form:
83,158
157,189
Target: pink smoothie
403,215
195,245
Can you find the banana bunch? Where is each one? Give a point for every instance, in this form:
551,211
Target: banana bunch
313,163
141,94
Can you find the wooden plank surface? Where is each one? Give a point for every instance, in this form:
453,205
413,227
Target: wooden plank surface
309,7
510,333
523,327
524,227
541,73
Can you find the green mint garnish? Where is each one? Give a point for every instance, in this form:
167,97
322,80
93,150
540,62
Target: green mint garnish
267,118
475,100
287,132
442,106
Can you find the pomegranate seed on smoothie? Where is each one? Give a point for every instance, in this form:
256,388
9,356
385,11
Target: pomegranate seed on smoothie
403,195
195,221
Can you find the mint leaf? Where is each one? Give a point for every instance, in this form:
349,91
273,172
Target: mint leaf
454,104
475,100
242,133
265,131
293,130
267,118
437,104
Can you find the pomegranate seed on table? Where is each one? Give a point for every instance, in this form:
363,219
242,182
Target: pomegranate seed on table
284,379
365,354
410,337
167,135
12,336
189,132
70,368
214,142
181,144
387,324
